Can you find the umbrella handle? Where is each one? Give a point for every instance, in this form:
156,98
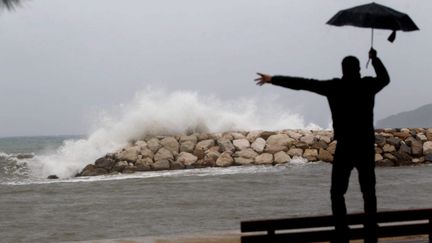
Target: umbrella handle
372,41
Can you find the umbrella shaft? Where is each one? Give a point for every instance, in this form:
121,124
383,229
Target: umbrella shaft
372,37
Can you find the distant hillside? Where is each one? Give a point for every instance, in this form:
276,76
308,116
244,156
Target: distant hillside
420,117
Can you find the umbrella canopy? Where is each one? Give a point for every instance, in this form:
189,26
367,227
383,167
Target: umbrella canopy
374,16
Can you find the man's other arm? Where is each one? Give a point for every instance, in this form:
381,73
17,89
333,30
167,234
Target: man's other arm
382,77
319,87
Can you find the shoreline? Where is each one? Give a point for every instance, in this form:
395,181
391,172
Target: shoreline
393,147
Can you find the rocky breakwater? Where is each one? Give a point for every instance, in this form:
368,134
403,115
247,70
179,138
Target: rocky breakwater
394,147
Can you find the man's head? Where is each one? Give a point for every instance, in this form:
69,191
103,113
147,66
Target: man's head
351,67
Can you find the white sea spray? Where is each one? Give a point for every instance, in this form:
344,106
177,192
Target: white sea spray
158,112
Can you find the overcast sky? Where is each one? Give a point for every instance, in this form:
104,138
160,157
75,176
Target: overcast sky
62,61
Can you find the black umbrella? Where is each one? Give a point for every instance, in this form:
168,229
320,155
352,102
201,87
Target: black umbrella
374,16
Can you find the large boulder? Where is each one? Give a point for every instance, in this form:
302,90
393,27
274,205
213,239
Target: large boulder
119,166
281,157
210,158
402,135
224,160
266,134
416,146
161,165
404,148
190,138
294,135
163,154
171,144
380,140
324,155
258,145
320,144
153,144
144,164
146,153
402,158
264,159
129,154
311,154
389,148
252,136
278,142
309,139
295,152
332,147
226,145
91,170
187,159
246,153
394,141
187,146
237,135
105,163
378,157
427,148
203,146
241,144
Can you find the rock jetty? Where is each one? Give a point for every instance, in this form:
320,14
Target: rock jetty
394,147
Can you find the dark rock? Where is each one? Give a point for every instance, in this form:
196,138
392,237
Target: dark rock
226,145
91,170
380,140
52,177
416,148
428,157
104,162
130,170
120,166
266,134
409,141
319,145
176,165
25,156
401,135
402,158
404,148
394,141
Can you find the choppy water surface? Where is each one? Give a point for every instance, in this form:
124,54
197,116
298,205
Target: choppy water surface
187,201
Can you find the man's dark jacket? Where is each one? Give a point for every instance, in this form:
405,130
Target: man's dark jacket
351,100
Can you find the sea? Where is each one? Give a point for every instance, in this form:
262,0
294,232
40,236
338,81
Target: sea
36,209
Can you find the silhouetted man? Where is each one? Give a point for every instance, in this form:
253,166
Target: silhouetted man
351,100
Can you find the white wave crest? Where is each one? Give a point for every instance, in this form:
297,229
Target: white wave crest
162,113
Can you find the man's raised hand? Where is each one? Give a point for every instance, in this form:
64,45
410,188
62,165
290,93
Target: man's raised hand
263,79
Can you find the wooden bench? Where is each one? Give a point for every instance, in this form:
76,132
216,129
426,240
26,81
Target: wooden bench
315,229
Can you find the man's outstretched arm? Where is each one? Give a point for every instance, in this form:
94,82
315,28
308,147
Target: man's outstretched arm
382,76
319,87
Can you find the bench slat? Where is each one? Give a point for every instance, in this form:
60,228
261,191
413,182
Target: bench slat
323,221
355,234
404,223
